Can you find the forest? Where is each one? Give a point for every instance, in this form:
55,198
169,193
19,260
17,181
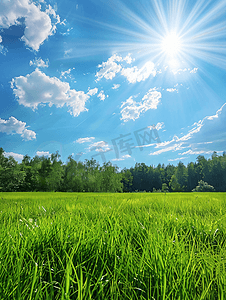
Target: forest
42,173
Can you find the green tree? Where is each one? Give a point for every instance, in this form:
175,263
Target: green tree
192,177
11,176
127,180
203,187
111,179
73,176
165,188
181,176
55,176
169,172
175,186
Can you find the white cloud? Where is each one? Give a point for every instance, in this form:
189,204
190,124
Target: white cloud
100,146
116,86
121,158
51,11
134,74
43,153
85,140
16,156
66,52
113,65
92,92
159,125
176,159
194,70
38,62
204,143
38,24
53,91
179,71
131,109
129,59
171,90
174,71
151,99
218,113
166,143
204,122
110,68
3,50
68,30
66,73
206,136
102,96
174,147
14,126
197,152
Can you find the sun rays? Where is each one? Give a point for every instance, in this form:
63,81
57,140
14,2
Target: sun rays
158,30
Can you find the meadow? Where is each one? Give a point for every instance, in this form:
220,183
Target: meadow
113,246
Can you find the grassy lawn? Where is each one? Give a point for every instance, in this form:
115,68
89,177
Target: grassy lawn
112,246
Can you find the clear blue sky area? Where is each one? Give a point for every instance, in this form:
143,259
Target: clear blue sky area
120,81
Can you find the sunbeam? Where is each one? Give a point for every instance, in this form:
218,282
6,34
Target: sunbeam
160,30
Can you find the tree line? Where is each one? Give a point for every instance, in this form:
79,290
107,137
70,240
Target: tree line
42,173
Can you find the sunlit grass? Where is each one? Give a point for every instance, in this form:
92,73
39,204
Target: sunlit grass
112,246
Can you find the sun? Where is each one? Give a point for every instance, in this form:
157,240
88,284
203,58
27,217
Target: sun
171,44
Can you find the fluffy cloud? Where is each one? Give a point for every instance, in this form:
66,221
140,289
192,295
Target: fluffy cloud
113,65
131,109
38,62
179,71
110,68
159,125
54,91
3,50
101,146
171,90
16,156
102,96
121,158
134,74
43,153
128,59
92,92
85,140
38,24
66,73
115,86
14,126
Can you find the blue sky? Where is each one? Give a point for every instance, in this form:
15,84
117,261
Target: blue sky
120,81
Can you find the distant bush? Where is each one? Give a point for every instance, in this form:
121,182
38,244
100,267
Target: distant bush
203,187
156,191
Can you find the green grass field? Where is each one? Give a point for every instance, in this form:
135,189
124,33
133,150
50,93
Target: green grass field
113,246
